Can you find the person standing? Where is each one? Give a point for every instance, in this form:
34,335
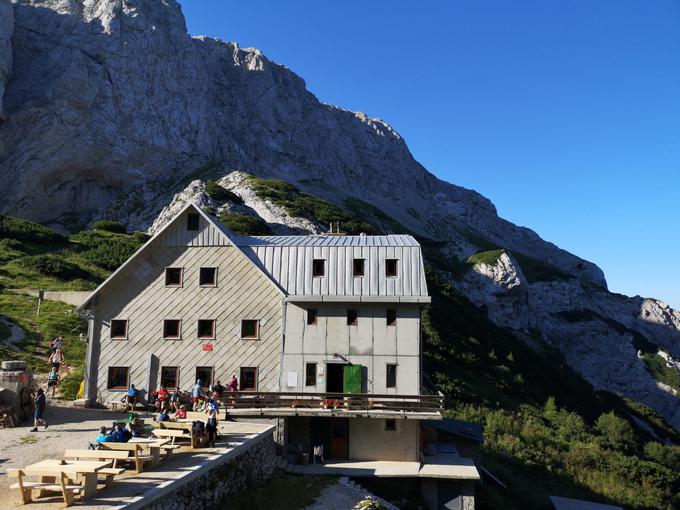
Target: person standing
233,383
53,380
211,426
57,358
197,395
39,403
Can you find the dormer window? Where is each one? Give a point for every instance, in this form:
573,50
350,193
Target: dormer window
358,267
192,221
318,267
391,266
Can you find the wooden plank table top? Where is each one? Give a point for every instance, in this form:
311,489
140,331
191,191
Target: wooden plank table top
87,470
149,441
68,466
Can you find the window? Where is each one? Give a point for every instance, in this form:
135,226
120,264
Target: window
172,329
207,277
310,374
391,268
170,378
391,317
119,329
192,221
206,328
173,276
352,316
118,378
358,267
311,316
391,380
205,375
319,267
391,425
248,379
250,328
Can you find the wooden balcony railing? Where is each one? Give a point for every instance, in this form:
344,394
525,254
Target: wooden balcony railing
270,401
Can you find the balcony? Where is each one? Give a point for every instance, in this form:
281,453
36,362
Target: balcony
338,405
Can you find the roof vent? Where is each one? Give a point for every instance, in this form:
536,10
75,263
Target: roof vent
363,234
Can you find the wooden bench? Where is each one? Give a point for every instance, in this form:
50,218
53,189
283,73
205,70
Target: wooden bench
113,455
63,485
171,434
135,449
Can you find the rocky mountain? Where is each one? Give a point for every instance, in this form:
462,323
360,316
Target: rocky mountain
110,108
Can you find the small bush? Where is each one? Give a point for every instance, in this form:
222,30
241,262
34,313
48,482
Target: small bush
109,251
245,225
221,194
51,265
10,244
615,432
109,226
22,230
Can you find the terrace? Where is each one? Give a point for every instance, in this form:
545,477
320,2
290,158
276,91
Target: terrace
343,405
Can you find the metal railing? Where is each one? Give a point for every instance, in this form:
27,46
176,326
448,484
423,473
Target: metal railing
261,400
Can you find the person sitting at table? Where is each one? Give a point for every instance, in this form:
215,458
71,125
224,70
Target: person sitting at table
161,398
173,401
217,390
163,416
131,397
103,436
121,434
136,428
181,413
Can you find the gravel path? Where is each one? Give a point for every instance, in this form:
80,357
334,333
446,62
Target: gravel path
68,427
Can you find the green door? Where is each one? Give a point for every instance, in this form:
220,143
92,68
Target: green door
351,378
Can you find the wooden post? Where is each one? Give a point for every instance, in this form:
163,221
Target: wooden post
41,295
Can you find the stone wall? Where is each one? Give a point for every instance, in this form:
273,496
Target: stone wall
250,468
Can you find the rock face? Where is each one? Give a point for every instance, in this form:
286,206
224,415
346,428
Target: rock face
112,110
6,30
111,105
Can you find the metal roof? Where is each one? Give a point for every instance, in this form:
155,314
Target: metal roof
328,240
465,429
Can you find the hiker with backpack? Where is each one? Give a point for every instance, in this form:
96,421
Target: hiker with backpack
53,380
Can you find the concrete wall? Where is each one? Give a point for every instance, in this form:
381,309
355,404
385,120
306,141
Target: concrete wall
371,343
138,294
368,440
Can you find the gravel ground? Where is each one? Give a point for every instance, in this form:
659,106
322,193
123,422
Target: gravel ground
68,427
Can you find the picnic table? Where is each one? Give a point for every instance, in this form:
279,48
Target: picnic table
48,470
155,446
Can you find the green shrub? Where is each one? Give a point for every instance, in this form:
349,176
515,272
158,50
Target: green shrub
221,194
22,230
615,432
302,205
52,265
485,257
108,250
109,226
245,225
10,244
70,384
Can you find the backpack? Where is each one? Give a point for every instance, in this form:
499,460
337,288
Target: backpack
198,429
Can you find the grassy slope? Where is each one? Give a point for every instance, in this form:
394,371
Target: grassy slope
31,257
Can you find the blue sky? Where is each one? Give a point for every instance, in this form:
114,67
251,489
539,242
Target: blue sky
565,114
